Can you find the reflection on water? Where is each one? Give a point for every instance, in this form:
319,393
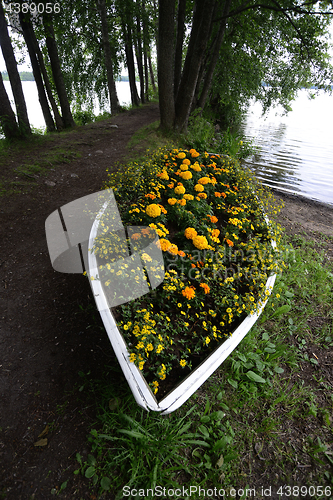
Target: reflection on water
296,150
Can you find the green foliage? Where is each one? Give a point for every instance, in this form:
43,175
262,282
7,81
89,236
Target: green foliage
82,117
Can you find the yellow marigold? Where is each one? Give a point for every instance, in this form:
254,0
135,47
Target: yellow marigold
182,363
190,233
186,162
172,201
153,210
215,233
199,187
181,155
163,175
196,167
132,357
182,202
186,175
205,287
179,190
194,153
183,167
200,242
188,197
203,196
173,249
204,180
189,292
164,244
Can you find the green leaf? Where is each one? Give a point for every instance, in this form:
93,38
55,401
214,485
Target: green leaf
105,483
233,383
280,311
134,434
91,460
90,472
255,378
277,369
204,431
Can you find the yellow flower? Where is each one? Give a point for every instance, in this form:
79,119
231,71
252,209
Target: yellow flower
204,180
153,210
199,187
181,202
183,166
132,357
203,196
172,201
200,242
207,340
179,190
182,363
173,249
196,167
181,155
186,175
164,244
194,153
190,233
163,175
186,162
188,197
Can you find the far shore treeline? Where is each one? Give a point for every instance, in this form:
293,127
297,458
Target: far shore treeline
27,76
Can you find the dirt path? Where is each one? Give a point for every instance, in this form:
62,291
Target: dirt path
44,340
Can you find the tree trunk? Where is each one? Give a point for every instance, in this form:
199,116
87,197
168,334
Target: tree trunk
145,58
130,64
114,102
165,63
151,73
26,27
139,59
56,71
14,77
7,115
216,50
198,42
58,119
179,42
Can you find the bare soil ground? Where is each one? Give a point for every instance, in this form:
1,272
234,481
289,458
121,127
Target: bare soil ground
44,340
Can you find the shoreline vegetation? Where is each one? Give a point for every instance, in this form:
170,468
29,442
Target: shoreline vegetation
264,419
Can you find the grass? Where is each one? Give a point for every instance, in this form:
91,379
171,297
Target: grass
264,419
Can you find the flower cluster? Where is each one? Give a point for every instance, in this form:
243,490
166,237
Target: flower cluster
217,254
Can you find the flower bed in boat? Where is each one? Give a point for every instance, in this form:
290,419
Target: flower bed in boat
218,255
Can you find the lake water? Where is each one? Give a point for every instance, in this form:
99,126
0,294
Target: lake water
34,110
296,150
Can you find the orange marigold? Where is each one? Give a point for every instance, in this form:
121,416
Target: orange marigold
229,242
190,233
205,287
164,244
189,292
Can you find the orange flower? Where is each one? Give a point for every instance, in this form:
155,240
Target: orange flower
213,218
173,249
189,292
218,195
181,253
186,162
136,236
229,242
205,287
190,233
164,244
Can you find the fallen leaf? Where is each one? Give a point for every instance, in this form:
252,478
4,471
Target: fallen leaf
45,431
220,461
41,442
